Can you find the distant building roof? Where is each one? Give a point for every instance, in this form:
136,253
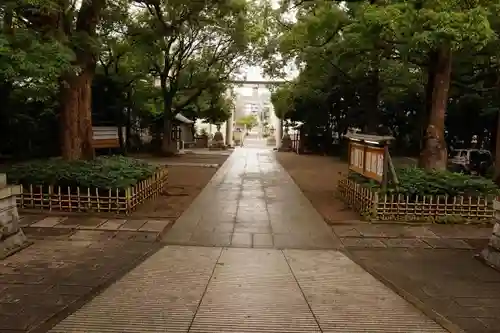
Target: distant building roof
183,119
368,137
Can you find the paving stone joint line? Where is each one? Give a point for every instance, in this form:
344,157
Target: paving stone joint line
205,290
302,291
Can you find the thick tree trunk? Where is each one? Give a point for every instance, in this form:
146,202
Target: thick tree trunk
121,138
426,112
76,117
86,131
373,113
497,151
128,123
168,146
76,90
434,156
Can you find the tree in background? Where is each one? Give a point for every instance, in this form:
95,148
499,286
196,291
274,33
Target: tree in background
249,122
387,67
94,60
191,46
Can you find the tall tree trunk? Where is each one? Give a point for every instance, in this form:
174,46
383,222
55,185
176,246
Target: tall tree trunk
168,146
497,151
128,122
434,155
427,107
373,115
76,89
76,116
426,112
85,112
121,138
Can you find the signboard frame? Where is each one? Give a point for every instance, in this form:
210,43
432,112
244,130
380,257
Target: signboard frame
369,156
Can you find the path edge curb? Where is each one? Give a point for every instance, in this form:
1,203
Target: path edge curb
415,301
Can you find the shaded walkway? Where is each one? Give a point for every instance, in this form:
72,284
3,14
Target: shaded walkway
227,288
252,202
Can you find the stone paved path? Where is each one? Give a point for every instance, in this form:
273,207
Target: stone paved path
252,202
215,279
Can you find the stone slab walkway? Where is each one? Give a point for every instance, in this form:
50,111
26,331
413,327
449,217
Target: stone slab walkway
252,202
407,236
203,289
218,281
85,223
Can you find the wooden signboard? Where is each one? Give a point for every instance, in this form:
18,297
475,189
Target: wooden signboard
367,160
374,163
356,157
105,137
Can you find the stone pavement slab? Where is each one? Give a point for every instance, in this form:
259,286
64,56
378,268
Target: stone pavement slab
160,295
463,292
89,223
253,291
434,267
203,289
252,202
426,236
344,298
55,274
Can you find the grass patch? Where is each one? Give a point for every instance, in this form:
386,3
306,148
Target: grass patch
104,172
415,181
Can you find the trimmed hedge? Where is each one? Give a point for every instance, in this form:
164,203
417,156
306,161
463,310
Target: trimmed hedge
415,181
104,172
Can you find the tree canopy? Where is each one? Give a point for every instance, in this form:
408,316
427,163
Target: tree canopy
407,68
249,121
425,71
121,62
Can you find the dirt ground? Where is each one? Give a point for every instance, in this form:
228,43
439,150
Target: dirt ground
185,182
317,177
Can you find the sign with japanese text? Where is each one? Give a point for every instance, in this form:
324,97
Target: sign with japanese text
367,160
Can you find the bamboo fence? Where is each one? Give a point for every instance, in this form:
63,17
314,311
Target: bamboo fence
70,199
399,207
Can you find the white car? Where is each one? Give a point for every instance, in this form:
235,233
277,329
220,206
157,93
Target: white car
473,161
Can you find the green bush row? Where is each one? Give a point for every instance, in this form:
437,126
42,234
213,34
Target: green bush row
415,181
104,172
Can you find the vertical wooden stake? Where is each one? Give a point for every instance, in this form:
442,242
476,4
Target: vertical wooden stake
386,166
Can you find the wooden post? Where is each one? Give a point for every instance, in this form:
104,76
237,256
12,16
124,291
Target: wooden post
386,166
364,158
393,171
348,155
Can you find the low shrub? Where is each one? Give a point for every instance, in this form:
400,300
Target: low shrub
415,181
104,172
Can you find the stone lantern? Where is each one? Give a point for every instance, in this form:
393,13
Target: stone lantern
271,140
286,141
218,140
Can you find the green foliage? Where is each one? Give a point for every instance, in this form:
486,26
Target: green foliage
417,182
360,63
249,121
103,173
32,63
193,47
366,65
